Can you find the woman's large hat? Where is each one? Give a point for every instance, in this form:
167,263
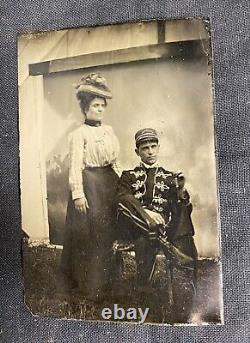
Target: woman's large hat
94,84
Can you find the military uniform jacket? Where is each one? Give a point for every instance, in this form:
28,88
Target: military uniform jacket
155,189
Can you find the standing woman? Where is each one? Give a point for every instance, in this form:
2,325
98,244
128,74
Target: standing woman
91,220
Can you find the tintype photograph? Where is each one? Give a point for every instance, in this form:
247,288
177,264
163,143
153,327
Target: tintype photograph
118,188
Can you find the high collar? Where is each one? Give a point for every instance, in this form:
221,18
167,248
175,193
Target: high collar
147,166
90,122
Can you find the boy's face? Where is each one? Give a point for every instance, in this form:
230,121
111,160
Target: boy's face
148,152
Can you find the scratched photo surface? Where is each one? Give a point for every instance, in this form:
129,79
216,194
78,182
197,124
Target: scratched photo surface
111,231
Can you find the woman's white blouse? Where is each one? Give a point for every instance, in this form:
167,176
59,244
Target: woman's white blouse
90,146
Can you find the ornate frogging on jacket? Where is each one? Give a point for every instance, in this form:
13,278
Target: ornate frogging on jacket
139,185
161,185
159,200
163,181
139,195
163,175
171,200
139,173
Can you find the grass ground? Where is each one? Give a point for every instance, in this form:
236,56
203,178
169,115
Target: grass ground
46,295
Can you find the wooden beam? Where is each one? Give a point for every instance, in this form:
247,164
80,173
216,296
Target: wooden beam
187,49
161,31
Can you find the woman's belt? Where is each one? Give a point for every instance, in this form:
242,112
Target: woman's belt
98,168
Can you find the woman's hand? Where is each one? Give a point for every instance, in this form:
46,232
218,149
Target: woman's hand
81,205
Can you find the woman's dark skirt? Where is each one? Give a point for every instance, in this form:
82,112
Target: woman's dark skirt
87,250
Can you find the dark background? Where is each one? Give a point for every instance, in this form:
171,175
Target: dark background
230,40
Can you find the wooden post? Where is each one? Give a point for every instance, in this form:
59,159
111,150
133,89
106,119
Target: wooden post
32,161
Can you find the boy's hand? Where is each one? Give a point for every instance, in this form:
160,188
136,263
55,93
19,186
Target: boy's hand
156,217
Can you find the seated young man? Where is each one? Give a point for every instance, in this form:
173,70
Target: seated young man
154,207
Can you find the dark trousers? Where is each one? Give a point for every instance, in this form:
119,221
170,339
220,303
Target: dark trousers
145,254
145,249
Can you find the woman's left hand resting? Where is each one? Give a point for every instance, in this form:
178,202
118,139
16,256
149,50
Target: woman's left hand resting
81,205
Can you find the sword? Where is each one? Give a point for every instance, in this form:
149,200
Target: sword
173,251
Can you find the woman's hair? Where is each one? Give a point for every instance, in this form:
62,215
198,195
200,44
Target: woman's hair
85,100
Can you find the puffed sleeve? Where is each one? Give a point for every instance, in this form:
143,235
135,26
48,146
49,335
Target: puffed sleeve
76,164
117,168
116,149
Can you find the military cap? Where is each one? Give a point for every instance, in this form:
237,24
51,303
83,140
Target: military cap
145,135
